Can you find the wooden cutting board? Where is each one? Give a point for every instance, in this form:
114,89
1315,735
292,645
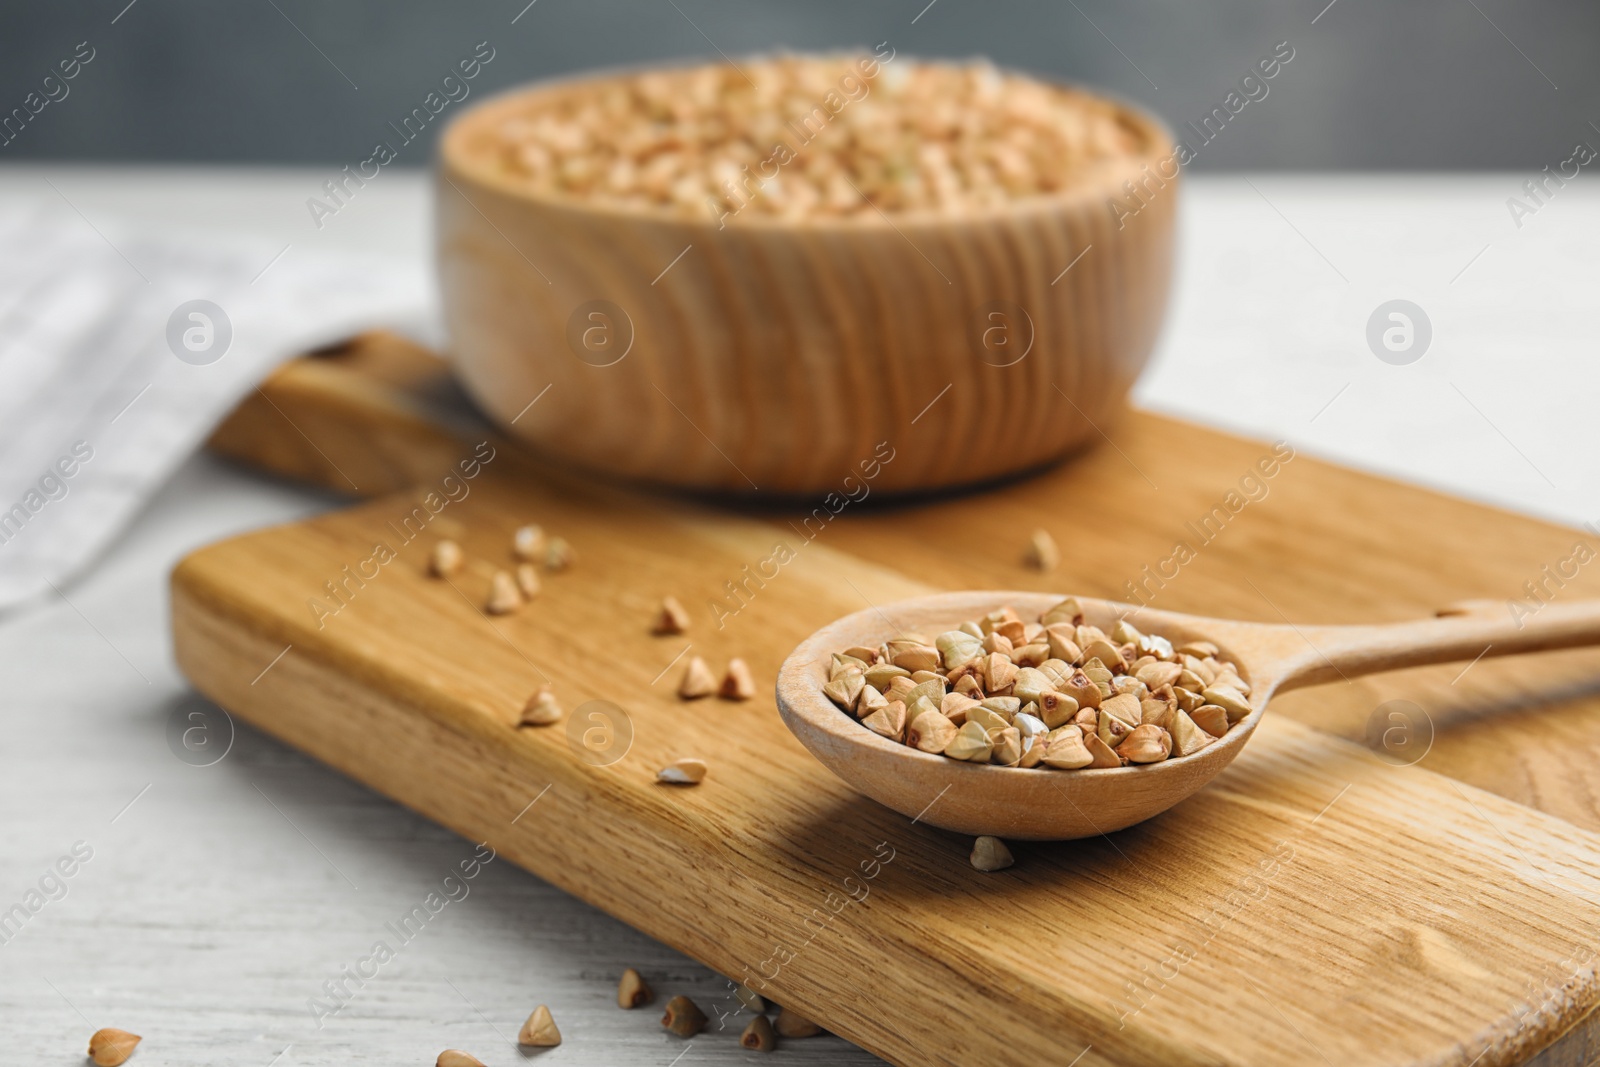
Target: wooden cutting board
1318,903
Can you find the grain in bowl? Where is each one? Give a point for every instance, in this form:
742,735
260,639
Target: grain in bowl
808,136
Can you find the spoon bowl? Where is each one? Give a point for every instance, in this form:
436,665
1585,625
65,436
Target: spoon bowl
1040,803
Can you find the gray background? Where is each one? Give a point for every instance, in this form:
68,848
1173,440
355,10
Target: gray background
1423,84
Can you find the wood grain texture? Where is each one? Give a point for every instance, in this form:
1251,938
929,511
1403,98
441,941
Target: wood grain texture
411,689
380,405
1326,544
216,903
1376,551
797,347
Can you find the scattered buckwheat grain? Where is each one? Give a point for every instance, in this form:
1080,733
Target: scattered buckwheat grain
110,1047
504,597
683,772
753,1002
671,618
1042,553
990,854
698,681
528,542
683,1017
632,992
792,1024
758,1035
558,555
542,709
540,1030
737,683
527,580
446,559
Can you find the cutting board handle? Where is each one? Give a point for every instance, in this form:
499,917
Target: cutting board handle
1466,631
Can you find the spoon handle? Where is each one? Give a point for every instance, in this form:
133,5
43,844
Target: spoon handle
1465,631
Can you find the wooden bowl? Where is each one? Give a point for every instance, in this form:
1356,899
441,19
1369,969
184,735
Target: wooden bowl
782,358
974,798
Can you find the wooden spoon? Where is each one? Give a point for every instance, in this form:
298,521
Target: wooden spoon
1044,804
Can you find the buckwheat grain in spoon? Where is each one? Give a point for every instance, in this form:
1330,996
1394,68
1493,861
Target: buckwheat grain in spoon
1131,709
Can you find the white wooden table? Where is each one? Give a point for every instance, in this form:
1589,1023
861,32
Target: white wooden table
220,899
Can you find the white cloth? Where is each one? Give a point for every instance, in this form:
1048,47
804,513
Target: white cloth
96,406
